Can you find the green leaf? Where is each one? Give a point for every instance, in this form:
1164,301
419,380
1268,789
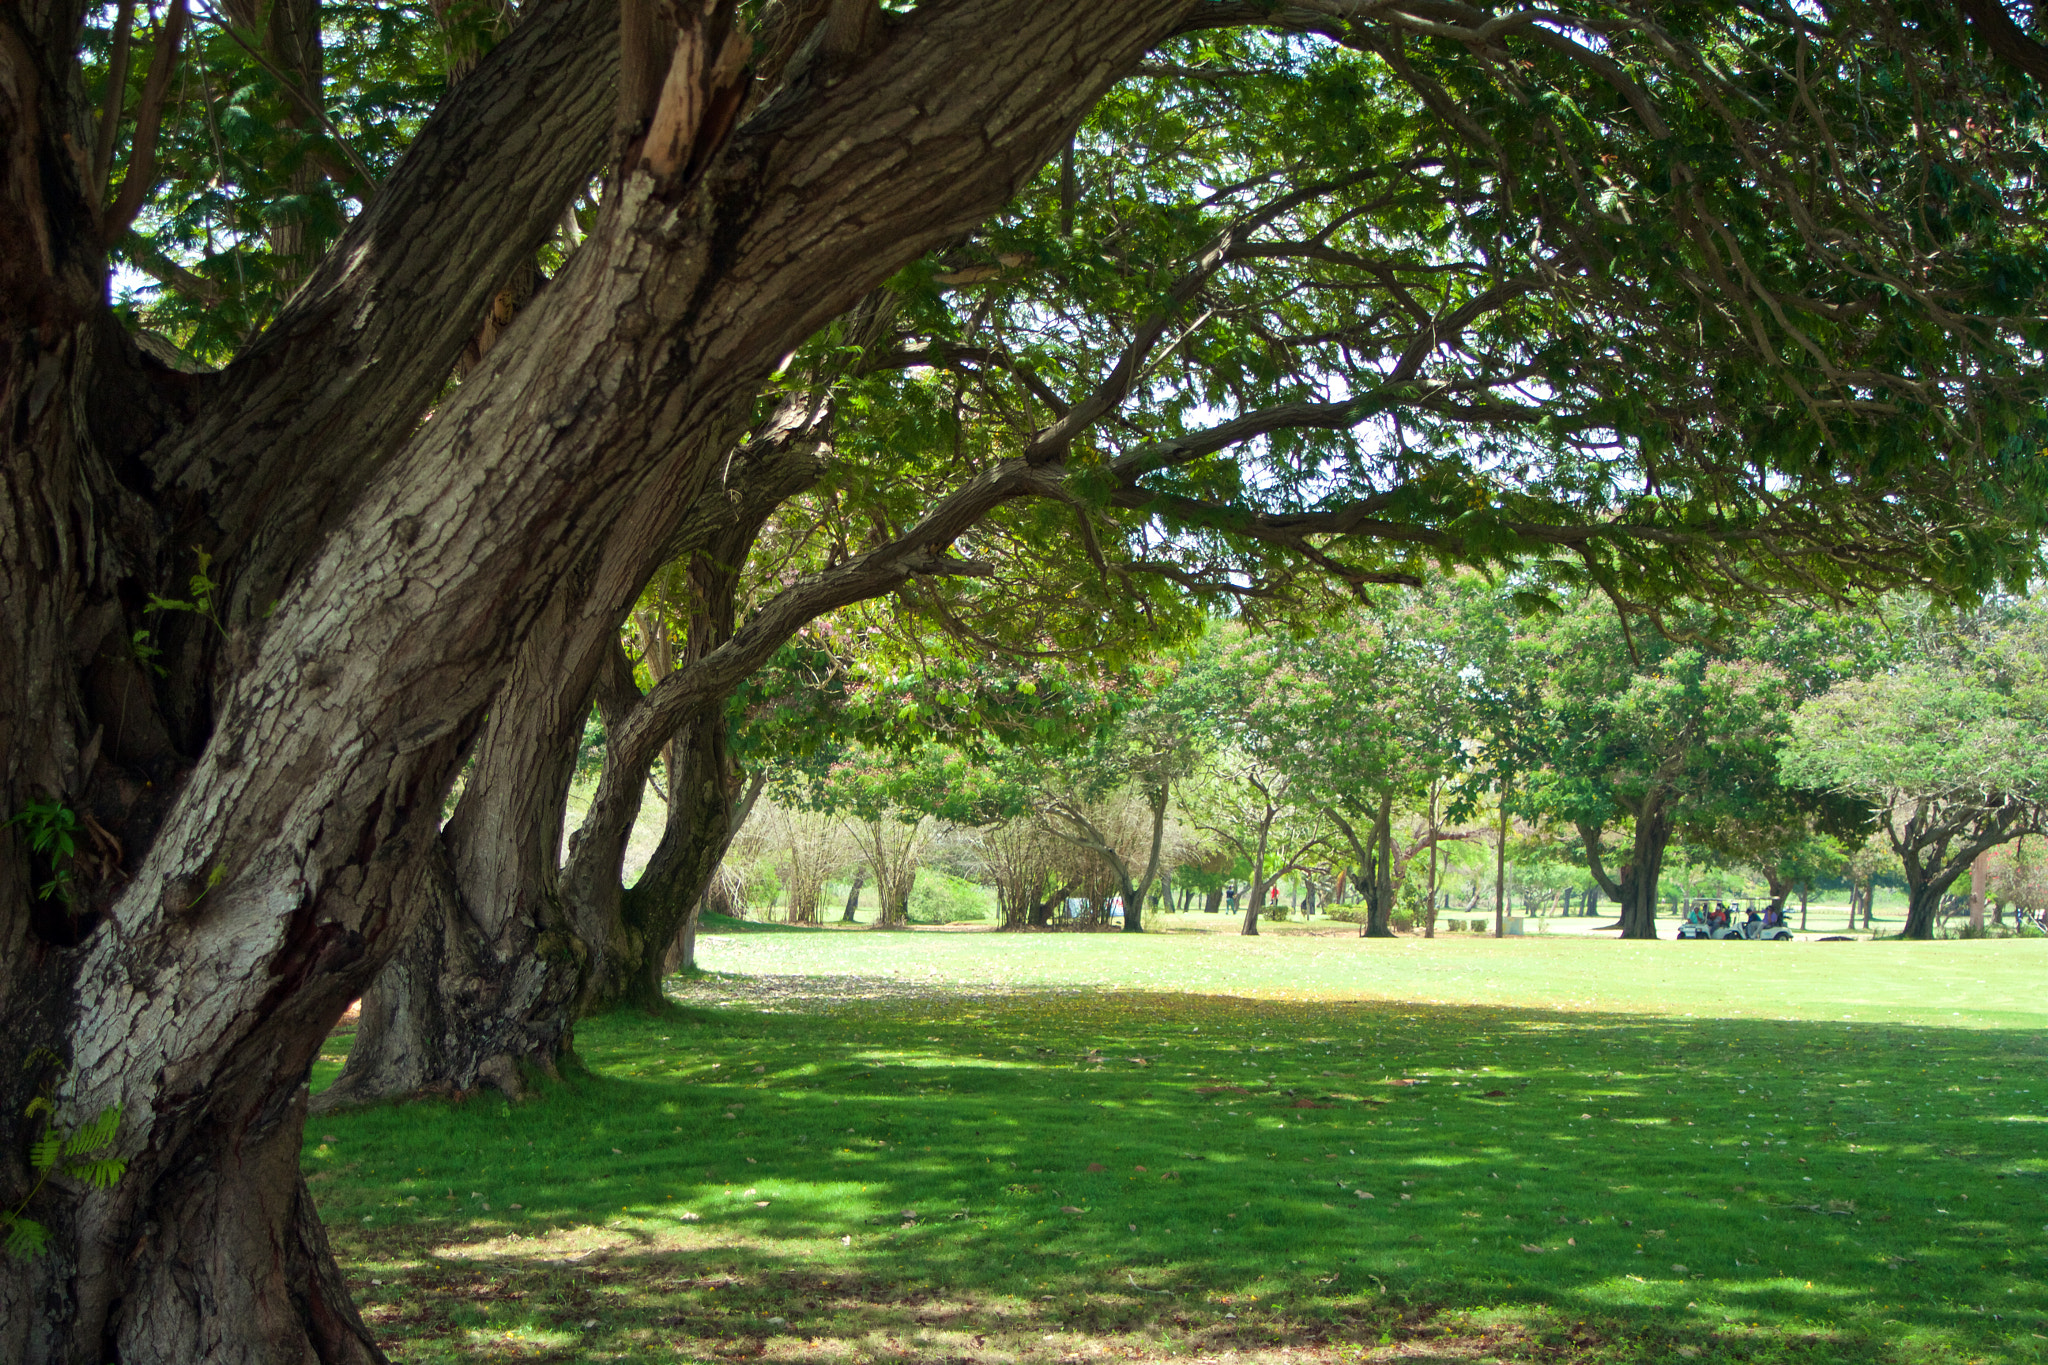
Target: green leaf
100,1173
26,1238
96,1134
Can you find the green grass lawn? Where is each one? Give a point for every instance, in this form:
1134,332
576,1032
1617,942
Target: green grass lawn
949,1146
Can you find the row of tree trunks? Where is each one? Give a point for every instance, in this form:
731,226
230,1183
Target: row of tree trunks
489,987
379,575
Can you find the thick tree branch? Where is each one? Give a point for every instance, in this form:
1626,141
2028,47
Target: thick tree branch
2008,42
116,105
149,117
313,409
144,255
917,551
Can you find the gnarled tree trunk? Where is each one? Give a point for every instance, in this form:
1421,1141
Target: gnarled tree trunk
484,987
662,901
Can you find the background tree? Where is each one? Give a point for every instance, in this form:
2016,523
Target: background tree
1951,752
1667,734
1258,813
1082,795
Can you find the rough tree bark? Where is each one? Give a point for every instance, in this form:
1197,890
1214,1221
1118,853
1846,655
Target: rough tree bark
266,808
488,985
485,984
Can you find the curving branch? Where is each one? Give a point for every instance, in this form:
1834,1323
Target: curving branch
2008,42
109,130
149,117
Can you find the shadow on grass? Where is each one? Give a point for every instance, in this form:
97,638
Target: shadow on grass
1027,1175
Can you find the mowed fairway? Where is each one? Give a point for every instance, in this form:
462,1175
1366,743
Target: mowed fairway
978,1147
1984,983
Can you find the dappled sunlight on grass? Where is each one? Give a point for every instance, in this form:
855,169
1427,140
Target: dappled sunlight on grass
1024,1176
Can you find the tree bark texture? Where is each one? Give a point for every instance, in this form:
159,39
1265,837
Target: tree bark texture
488,985
485,985
267,808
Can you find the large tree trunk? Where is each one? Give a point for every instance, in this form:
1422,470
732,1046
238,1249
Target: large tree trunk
485,986
1923,908
1640,877
593,894
1636,890
259,836
860,875
250,801
658,906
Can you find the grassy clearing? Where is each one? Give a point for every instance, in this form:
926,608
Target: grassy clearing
1983,983
846,1164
